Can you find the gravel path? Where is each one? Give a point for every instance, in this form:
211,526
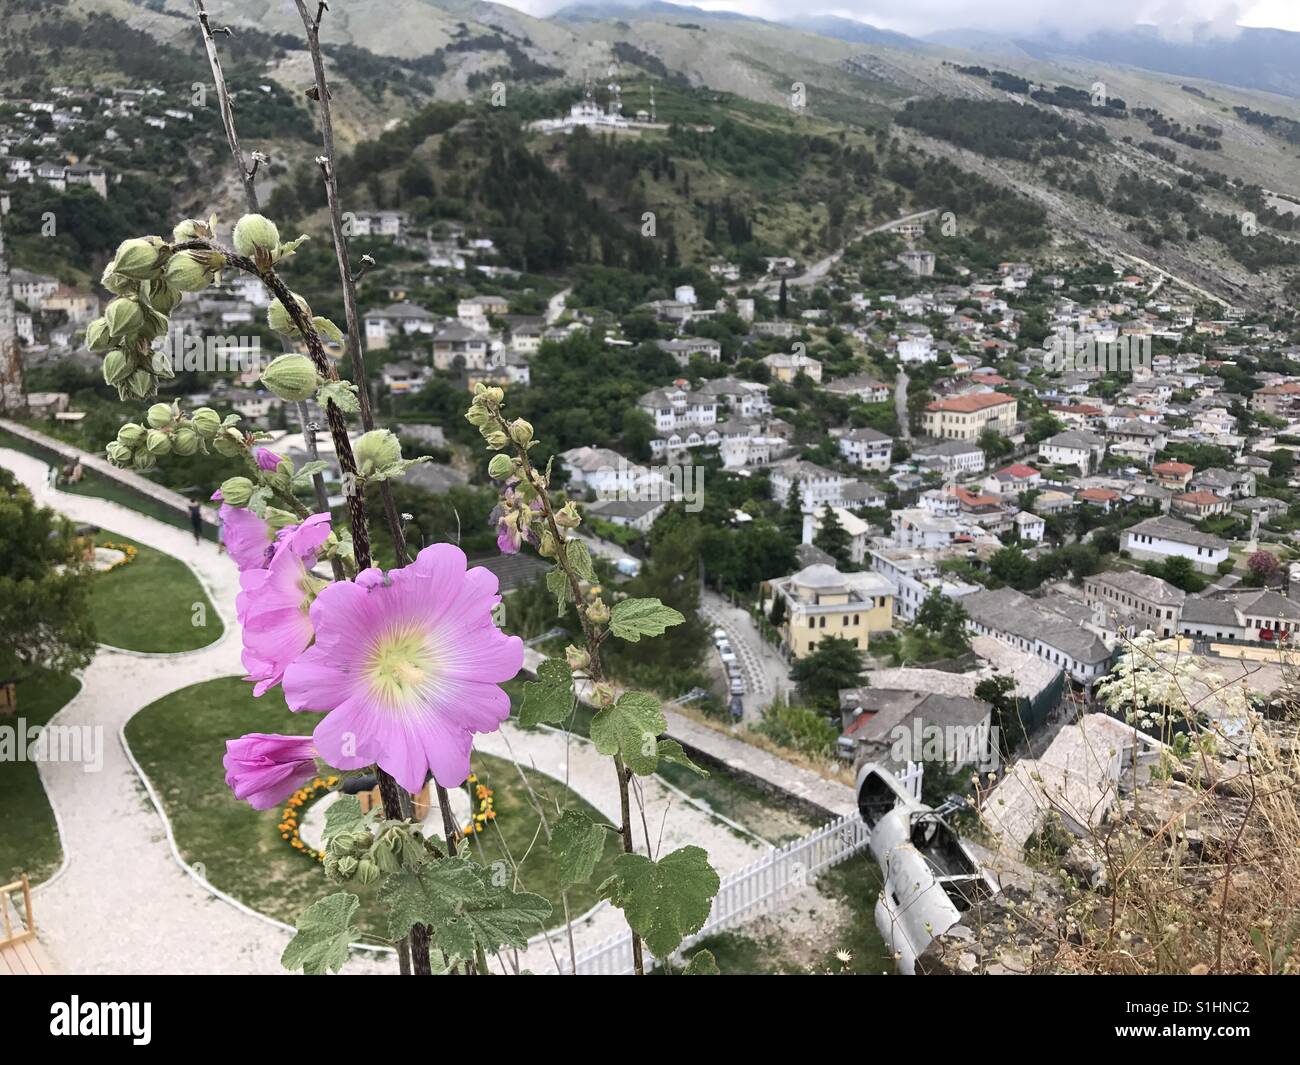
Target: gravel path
122,902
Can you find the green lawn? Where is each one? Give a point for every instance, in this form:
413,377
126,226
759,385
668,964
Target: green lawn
30,840
151,603
179,741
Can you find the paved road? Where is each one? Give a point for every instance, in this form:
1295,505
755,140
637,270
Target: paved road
900,405
822,267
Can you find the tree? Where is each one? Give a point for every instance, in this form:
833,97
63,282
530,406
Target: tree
835,664
1180,572
777,614
1263,567
999,692
44,591
791,517
943,616
782,301
1011,566
833,538
994,445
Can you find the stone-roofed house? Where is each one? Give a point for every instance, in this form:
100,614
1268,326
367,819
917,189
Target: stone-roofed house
1073,447
1162,537
1135,601
1261,615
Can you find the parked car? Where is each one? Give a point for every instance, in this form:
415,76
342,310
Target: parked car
728,655
737,686
719,636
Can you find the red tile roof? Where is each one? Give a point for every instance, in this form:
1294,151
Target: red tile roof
1174,469
1098,495
1019,469
971,403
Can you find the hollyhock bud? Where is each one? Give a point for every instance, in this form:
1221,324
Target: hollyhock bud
136,259
191,229
496,439
163,297
567,517
577,658
598,612
253,232
160,415
143,459
116,368
206,421
237,491
158,442
186,274
267,459
131,435
367,871
97,336
604,694
521,432
118,454
547,548
140,385
477,417
279,519
264,769
278,317
185,441
375,450
501,467
118,284
291,377
124,317
229,442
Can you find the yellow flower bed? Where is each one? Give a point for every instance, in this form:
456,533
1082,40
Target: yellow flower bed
290,817
486,811
129,551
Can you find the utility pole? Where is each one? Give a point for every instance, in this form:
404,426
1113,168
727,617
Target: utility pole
13,395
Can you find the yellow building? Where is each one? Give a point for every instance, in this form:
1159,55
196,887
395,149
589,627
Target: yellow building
966,417
820,601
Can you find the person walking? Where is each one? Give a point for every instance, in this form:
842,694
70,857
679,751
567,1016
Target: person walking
196,520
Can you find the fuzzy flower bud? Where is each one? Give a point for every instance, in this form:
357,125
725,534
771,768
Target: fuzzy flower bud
252,232
118,454
160,415
598,612
496,439
237,491
131,435
501,467
375,450
477,416
124,317
521,432
185,441
548,547
291,377
206,422
577,658
116,368
567,517
136,259
158,442
278,317
229,442
186,274
604,694
97,338
191,229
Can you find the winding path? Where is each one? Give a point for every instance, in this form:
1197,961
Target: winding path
122,902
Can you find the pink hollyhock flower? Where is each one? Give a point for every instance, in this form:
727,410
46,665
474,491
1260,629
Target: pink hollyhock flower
514,520
267,459
272,604
264,769
406,666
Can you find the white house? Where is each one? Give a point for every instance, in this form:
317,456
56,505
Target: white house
868,449
1163,537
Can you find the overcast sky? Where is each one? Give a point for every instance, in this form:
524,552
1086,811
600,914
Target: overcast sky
925,16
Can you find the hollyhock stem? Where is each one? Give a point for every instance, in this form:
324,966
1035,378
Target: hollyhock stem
593,637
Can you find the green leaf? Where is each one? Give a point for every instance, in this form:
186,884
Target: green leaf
344,815
671,751
577,844
307,471
663,901
633,618
549,699
457,901
396,469
702,964
631,728
324,932
580,559
343,393
328,329
557,583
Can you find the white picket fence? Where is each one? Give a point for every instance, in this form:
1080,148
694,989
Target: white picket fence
756,889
